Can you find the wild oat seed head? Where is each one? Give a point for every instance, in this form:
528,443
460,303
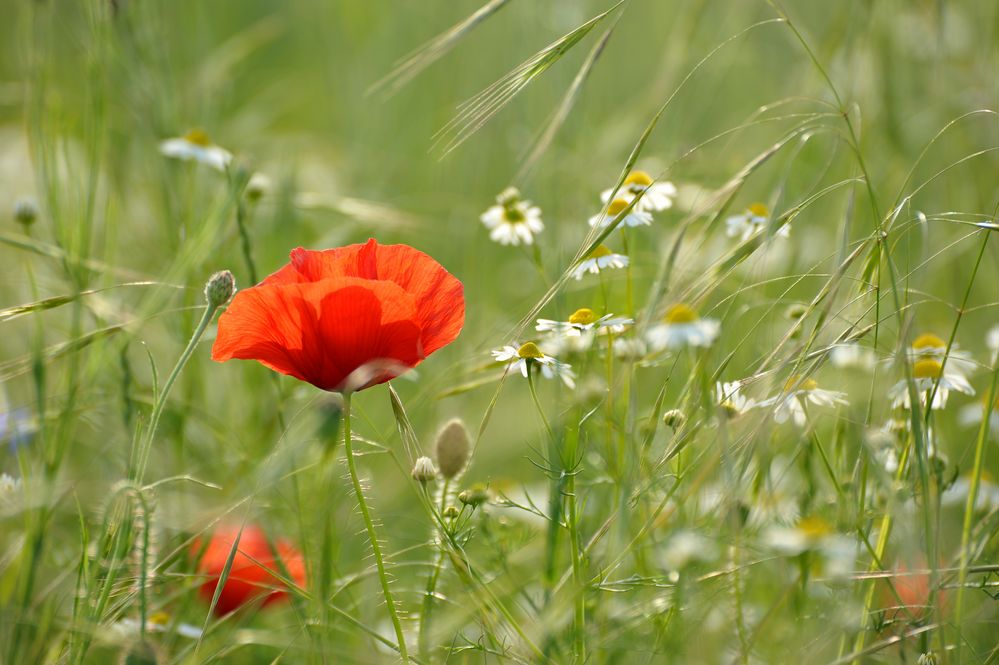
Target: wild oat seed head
452,448
220,288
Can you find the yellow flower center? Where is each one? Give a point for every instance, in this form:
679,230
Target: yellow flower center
927,369
928,341
530,351
797,383
759,209
198,137
640,178
601,250
159,618
513,214
616,206
814,528
583,316
681,313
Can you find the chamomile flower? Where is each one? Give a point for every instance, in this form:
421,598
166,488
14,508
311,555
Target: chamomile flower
753,220
197,146
522,358
972,414
926,373
683,326
512,220
851,355
584,320
797,393
635,217
992,341
731,400
656,196
567,345
928,345
600,259
813,534
631,349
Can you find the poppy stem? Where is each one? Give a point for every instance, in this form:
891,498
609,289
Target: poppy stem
370,526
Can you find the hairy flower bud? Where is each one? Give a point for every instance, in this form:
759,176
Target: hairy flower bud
451,512
452,448
220,288
25,212
423,470
476,495
674,418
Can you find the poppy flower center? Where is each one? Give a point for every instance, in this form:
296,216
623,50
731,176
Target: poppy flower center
529,351
616,206
759,209
928,341
198,137
640,178
584,316
927,369
681,313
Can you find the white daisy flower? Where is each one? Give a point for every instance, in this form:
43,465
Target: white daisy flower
584,320
566,345
657,195
992,341
258,186
635,217
797,393
852,355
631,349
602,258
512,220
926,373
753,220
814,534
686,547
988,492
731,400
683,326
972,414
930,346
197,146
525,356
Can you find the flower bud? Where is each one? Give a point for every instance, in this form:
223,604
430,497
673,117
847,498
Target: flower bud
25,212
220,288
674,418
452,448
451,512
476,495
795,311
423,470
258,185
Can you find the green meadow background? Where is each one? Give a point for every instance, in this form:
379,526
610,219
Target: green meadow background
126,238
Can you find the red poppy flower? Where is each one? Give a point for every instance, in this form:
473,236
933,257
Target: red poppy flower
252,574
330,313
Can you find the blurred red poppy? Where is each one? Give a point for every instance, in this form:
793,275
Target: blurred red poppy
380,309
252,574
